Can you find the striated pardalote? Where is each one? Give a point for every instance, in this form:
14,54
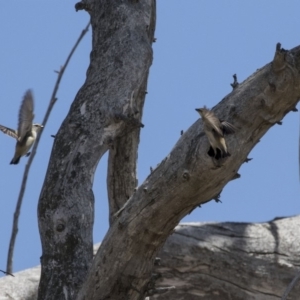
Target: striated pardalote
215,129
27,131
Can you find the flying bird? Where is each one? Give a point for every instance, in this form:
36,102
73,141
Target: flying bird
27,131
215,129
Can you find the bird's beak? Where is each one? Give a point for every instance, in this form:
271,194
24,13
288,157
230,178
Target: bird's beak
198,109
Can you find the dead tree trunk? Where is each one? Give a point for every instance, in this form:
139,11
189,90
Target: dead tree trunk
223,261
105,114
213,261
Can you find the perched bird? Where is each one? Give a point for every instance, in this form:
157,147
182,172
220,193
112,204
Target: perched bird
27,131
215,130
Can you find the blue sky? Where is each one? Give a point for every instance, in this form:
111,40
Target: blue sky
200,45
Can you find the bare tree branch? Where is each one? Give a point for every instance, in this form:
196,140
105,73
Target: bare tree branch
6,273
122,161
100,114
188,177
121,177
291,286
120,58
9,264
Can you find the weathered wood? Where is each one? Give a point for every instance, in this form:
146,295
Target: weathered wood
186,178
220,261
101,115
215,261
122,162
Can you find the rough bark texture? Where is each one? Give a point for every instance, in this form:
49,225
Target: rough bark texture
238,261
105,114
105,110
121,177
188,177
213,261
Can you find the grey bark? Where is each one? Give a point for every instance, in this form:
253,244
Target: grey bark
220,261
215,261
122,161
186,178
105,114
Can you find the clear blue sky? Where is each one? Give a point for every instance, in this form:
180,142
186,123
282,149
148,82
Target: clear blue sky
200,45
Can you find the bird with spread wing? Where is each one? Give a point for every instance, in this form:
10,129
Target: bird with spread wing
27,131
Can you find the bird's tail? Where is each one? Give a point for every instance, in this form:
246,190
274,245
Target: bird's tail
218,154
15,160
226,154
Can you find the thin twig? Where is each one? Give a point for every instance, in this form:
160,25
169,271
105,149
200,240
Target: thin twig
9,265
6,273
290,287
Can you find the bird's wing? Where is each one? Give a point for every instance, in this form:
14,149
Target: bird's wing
25,115
213,121
11,132
228,128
